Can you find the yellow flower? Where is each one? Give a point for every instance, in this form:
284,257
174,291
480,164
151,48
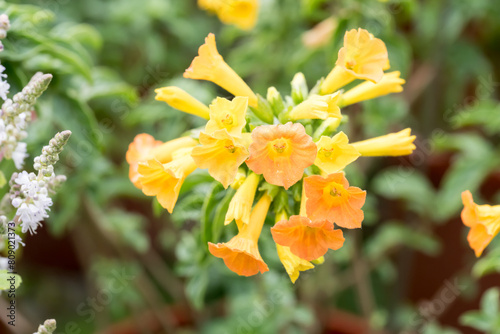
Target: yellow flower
145,147
321,34
392,144
241,253
241,13
181,100
229,115
362,57
390,83
334,154
165,180
241,203
222,154
209,65
317,107
292,263
483,220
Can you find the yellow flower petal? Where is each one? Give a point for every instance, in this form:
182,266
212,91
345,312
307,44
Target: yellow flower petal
392,144
362,57
229,115
317,107
209,65
165,180
222,154
390,83
483,220
241,203
334,154
181,100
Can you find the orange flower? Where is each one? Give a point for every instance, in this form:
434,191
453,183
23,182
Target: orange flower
165,180
145,147
222,154
209,65
241,253
281,153
362,57
332,199
483,220
307,239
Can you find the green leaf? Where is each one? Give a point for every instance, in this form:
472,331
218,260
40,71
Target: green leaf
220,215
5,280
407,184
3,180
490,263
196,288
392,234
210,203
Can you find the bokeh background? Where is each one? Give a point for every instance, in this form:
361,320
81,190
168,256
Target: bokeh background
110,260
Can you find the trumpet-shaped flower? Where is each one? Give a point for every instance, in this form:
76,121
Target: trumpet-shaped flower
307,239
179,99
392,144
145,147
229,115
281,153
222,154
209,65
241,13
335,153
241,203
241,253
483,220
165,180
332,199
362,57
390,83
317,107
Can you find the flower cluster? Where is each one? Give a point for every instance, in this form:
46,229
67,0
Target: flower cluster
29,192
282,146
241,13
15,115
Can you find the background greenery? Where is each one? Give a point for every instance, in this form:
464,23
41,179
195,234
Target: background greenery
107,57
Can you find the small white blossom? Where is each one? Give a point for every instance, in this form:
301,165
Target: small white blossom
19,155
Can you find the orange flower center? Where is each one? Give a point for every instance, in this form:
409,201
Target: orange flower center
230,148
326,152
279,148
228,120
334,193
350,64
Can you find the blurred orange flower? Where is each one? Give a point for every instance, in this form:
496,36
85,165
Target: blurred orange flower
209,65
241,253
483,220
281,153
145,147
307,239
332,199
